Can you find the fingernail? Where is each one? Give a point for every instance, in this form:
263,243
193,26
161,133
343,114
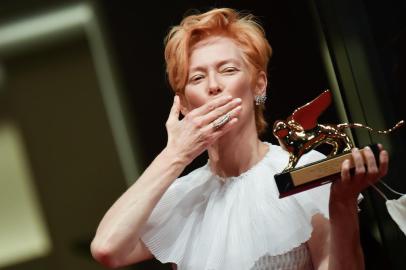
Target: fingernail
238,100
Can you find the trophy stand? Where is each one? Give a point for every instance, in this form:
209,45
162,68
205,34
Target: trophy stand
301,133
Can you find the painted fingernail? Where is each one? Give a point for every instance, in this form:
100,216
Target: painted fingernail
238,100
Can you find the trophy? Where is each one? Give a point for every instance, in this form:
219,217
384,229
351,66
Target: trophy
301,133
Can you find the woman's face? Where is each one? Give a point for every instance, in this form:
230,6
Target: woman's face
216,67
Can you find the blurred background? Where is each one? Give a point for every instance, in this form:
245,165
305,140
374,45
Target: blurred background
84,98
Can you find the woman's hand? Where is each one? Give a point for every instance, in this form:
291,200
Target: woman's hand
366,172
189,137
345,250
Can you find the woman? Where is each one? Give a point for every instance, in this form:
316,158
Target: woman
227,215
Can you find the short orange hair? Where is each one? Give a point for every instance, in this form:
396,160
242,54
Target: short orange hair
243,29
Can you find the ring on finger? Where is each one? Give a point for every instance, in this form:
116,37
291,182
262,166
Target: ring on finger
221,121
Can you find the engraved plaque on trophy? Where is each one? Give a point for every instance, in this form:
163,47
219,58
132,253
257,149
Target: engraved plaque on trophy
301,132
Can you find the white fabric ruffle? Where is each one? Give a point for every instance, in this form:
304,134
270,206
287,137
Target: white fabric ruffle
205,222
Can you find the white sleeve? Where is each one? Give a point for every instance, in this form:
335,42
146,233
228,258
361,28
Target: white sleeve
169,227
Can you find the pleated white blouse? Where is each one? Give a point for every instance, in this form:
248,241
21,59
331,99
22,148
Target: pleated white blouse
211,223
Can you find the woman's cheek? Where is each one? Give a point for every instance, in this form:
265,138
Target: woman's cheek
194,98
242,87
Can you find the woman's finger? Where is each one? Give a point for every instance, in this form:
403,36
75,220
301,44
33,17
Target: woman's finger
211,105
372,168
220,111
358,162
384,163
345,171
220,132
372,174
175,110
212,134
209,127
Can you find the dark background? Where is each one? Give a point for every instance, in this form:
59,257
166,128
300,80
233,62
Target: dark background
295,73
135,31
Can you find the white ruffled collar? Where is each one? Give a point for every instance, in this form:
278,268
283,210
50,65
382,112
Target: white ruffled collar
201,223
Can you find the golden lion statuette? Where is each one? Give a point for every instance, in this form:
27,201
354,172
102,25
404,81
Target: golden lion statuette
301,133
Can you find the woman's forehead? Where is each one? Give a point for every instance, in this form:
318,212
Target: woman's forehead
214,49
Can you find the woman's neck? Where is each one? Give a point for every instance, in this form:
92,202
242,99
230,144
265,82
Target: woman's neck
236,152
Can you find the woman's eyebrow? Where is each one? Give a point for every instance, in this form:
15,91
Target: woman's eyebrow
227,61
217,64
197,68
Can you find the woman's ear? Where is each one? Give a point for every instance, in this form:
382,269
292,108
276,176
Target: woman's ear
261,84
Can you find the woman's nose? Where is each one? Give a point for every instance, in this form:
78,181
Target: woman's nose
215,90
214,86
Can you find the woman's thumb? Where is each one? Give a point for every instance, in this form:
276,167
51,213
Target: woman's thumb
175,110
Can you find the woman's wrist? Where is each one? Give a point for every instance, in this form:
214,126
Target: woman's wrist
174,158
338,200
344,203
343,210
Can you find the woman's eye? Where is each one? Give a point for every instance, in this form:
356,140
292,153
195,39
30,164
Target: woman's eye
229,70
196,78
